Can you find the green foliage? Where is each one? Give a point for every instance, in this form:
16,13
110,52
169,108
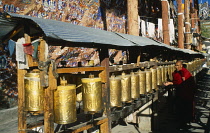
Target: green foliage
205,31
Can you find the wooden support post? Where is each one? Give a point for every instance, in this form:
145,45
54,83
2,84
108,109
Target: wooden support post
48,98
21,101
165,22
104,58
180,25
48,103
187,24
192,14
104,128
132,14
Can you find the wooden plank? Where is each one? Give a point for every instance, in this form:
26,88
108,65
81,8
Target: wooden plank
21,101
104,58
104,128
79,69
42,57
86,126
48,104
13,33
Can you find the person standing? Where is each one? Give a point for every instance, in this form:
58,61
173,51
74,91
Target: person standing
184,84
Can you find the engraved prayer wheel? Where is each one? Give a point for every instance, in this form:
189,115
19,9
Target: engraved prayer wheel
92,95
134,86
159,76
166,73
142,82
163,74
154,78
170,71
34,93
65,103
126,87
148,81
115,91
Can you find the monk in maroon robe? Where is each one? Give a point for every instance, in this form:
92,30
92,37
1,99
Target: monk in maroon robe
185,86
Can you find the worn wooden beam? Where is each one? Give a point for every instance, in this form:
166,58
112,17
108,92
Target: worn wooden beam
79,69
104,58
180,25
133,24
14,32
21,101
165,20
86,126
48,104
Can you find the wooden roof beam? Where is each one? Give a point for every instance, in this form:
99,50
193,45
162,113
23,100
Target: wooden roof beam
14,32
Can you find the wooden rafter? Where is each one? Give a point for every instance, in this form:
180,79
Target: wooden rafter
14,32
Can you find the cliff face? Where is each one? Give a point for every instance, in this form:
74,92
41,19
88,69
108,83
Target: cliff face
87,13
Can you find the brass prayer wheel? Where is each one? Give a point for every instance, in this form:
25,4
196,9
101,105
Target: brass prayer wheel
148,81
170,71
166,73
92,95
163,74
154,78
159,76
65,104
34,93
115,91
126,87
142,82
134,86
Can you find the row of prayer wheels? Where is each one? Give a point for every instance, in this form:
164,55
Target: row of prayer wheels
128,87
64,97
194,65
123,88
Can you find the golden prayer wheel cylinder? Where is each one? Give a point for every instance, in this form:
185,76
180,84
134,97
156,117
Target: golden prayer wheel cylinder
170,72
115,91
142,82
34,93
189,66
148,81
92,95
65,104
163,75
166,73
126,87
134,86
154,78
159,76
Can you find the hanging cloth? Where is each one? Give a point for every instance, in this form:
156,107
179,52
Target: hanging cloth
11,47
19,50
20,55
171,31
35,45
151,29
143,28
28,49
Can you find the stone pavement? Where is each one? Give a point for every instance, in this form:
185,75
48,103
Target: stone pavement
167,123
